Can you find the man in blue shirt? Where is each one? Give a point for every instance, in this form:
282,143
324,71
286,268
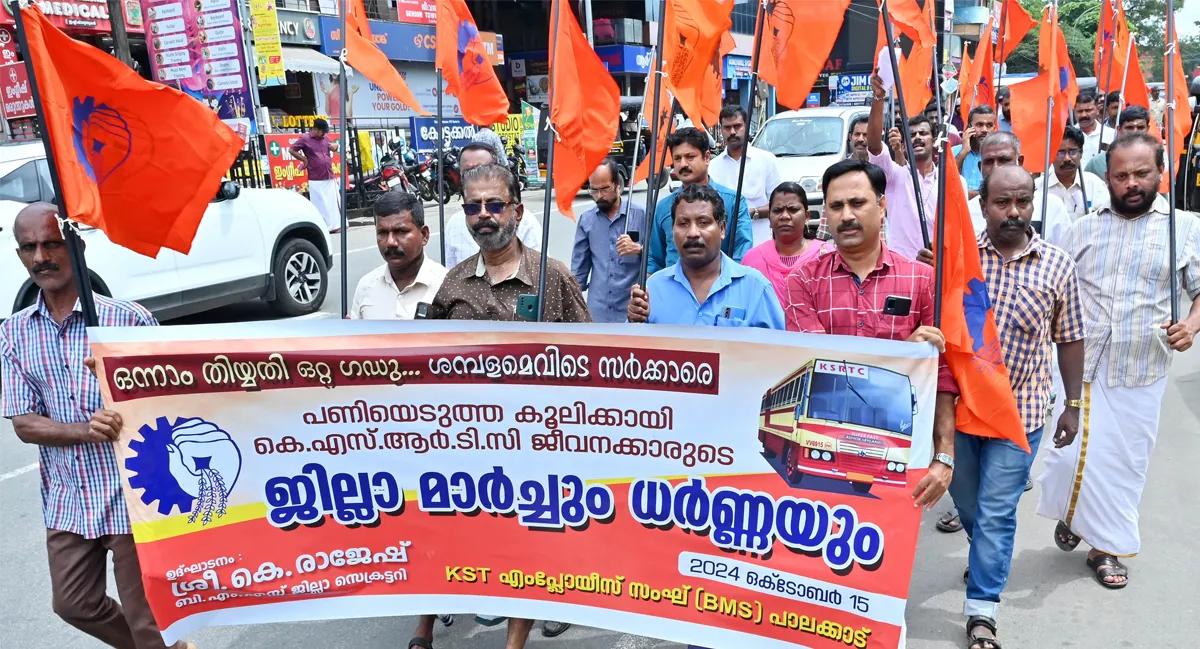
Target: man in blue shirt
705,287
980,124
690,155
606,261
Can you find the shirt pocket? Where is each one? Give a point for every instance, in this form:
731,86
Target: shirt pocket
1032,308
722,321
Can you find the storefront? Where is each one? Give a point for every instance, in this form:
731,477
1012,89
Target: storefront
293,106
735,76
628,64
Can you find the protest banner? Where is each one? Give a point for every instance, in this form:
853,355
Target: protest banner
718,486
286,171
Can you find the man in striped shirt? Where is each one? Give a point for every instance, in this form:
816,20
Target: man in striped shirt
54,402
1123,256
1034,289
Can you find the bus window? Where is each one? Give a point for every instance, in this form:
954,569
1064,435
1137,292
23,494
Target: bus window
882,401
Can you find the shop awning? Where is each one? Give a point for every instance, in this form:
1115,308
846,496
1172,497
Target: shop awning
303,59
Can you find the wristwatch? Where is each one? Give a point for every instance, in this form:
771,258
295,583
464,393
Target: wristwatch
944,459
1073,403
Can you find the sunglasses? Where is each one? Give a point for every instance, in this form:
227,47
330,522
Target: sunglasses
495,208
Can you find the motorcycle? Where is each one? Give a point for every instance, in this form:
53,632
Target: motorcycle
446,168
387,177
516,164
420,178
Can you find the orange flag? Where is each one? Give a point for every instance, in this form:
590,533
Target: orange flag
916,68
1182,126
692,35
1029,99
791,59
710,99
1015,22
981,92
665,98
585,121
1112,47
363,55
967,84
986,406
465,67
136,159
1134,92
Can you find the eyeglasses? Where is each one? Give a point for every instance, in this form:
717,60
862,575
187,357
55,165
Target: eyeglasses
1069,153
495,208
600,190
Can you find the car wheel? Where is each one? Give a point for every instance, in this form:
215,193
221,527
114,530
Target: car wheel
301,278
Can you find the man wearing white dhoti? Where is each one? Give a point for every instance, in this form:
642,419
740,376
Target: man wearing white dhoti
1093,485
315,151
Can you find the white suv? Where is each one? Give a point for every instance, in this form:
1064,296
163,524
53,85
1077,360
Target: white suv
251,243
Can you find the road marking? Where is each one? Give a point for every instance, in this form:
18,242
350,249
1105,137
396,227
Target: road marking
16,472
354,250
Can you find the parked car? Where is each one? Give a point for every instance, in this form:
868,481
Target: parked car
268,244
805,142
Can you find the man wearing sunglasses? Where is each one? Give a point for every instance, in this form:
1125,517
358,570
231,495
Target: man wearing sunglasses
460,244
606,261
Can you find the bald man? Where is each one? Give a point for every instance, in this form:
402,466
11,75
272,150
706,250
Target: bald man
54,401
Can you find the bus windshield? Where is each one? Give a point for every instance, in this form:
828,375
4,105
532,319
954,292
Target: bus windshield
883,400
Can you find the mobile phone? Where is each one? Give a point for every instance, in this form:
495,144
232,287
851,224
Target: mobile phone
527,306
634,235
422,311
734,313
896,305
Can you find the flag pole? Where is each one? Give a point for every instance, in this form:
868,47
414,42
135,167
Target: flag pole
1000,61
556,7
904,130
441,180
1124,80
345,224
1053,8
83,280
939,253
1172,154
636,146
737,200
655,165
1103,99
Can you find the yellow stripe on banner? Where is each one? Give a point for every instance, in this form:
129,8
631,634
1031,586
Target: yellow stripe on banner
1087,417
148,531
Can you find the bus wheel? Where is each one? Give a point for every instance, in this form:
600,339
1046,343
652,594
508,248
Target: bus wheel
862,487
767,452
789,464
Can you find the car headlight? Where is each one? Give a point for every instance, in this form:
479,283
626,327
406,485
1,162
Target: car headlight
810,183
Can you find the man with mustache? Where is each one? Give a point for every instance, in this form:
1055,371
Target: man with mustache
705,287
54,402
903,225
1080,191
1035,292
690,152
407,278
845,292
1135,119
762,175
460,243
1087,113
857,139
1002,149
605,260
1121,253
981,122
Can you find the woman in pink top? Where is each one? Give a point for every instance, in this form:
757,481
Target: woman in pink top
791,242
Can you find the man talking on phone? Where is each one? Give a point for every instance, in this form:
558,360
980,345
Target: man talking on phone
864,289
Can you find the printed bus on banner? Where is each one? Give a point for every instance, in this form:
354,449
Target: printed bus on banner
842,421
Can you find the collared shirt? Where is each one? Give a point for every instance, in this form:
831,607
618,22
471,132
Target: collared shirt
1098,165
1072,197
740,297
460,244
825,296
1036,300
970,168
467,293
662,241
378,297
605,275
491,138
1002,123
903,223
42,370
1055,228
1092,141
762,174
1124,287
320,158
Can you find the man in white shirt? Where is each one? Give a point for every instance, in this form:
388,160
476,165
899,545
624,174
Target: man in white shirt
1003,148
1087,113
407,278
459,242
762,175
1080,191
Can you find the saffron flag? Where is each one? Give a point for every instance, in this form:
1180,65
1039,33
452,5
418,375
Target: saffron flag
916,68
981,91
710,99
1182,125
967,84
665,100
363,55
584,122
1029,99
136,159
986,406
790,60
463,60
1015,22
1133,90
1113,44
692,35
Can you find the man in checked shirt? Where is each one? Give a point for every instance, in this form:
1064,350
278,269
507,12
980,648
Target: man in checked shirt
54,402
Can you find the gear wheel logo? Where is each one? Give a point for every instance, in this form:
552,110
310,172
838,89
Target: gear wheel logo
189,464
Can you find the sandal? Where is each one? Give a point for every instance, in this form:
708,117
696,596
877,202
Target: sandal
966,575
949,522
980,642
418,641
1106,565
1064,539
554,629
446,619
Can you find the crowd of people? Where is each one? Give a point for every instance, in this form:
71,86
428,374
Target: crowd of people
1080,292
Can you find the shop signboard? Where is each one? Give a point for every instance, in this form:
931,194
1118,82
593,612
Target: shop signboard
18,97
8,46
82,16
850,89
298,28
529,122
197,47
402,42
425,132
286,172
417,12
268,49
370,102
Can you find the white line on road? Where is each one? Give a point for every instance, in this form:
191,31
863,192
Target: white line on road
354,250
16,472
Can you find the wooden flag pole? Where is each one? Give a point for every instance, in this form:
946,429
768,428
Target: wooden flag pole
555,8
83,279
648,222
1053,16
731,235
1103,98
904,130
441,180
1172,154
343,91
